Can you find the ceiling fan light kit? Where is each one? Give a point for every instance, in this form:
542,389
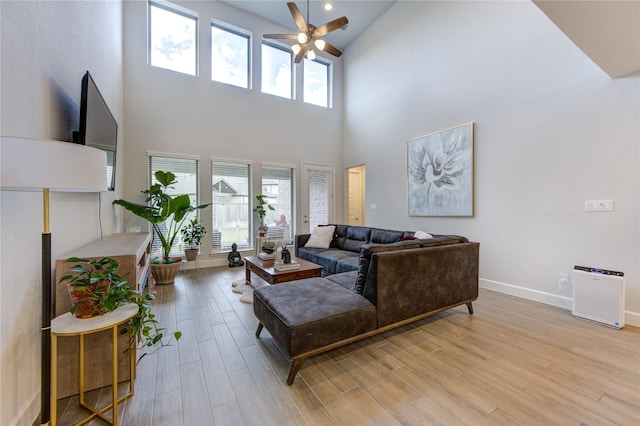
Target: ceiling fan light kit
309,35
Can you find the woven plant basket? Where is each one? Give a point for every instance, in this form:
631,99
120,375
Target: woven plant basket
165,273
191,254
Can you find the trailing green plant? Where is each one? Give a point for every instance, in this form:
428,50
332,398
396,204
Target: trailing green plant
114,291
261,208
192,233
165,212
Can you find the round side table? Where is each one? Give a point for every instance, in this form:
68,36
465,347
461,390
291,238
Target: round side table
68,325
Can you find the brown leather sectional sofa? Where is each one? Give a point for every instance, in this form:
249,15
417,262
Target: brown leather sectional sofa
392,284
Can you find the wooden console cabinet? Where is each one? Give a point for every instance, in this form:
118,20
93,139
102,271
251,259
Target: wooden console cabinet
131,250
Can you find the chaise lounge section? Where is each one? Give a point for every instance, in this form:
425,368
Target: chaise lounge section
394,284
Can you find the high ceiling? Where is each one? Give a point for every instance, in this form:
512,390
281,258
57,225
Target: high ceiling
361,14
606,31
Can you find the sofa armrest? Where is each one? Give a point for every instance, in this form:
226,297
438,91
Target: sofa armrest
299,241
407,283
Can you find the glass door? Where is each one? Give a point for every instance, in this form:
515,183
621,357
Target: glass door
318,194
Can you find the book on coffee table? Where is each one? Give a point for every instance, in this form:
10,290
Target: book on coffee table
266,256
279,266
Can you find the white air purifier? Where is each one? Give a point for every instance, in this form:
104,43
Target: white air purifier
598,295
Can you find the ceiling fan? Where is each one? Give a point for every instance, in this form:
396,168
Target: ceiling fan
310,35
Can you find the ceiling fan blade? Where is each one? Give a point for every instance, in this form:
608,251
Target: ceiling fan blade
332,49
300,54
330,26
281,36
297,17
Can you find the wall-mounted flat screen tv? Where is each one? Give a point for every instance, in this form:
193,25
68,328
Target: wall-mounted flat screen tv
98,127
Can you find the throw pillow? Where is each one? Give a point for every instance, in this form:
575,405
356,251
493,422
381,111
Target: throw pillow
421,235
321,237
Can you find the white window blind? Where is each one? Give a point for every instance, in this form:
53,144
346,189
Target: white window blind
278,189
231,197
186,171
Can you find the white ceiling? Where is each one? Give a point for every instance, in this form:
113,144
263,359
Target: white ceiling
606,31
361,15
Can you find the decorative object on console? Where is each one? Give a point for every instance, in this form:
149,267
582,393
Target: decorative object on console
192,235
166,213
44,165
309,35
441,173
234,257
261,209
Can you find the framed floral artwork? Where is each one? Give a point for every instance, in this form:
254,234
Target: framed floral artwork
440,167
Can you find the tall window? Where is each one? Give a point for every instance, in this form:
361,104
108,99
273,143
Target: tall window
186,171
277,74
230,55
231,196
277,187
316,82
173,37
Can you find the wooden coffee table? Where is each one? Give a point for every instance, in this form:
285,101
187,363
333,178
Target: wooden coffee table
264,269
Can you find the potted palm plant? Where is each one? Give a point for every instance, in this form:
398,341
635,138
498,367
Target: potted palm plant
261,210
192,235
96,288
166,213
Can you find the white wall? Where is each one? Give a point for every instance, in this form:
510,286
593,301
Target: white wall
47,46
552,130
170,112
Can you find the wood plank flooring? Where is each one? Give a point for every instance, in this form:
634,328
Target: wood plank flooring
513,362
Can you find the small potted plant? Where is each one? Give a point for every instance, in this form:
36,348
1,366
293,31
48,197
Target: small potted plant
90,284
261,210
98,289
166,213
192,235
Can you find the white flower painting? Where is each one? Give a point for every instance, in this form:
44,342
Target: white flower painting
441,173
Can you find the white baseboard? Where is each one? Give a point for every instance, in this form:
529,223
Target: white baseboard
209,263
630,318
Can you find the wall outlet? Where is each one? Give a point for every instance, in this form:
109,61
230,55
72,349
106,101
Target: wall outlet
598,206
564,279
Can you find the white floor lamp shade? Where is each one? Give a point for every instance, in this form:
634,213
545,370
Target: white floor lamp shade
43,166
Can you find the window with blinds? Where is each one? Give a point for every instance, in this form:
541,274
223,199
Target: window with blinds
278,190
186,171
231,197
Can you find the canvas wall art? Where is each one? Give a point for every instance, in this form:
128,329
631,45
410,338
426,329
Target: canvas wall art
440,168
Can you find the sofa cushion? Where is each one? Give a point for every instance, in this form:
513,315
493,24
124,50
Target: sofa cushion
340,236
356,237
309,253
345,279
365,257
349,263
421,235
329,259
321,237
384,236
312,313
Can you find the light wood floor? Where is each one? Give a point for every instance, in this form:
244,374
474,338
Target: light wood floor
512,362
